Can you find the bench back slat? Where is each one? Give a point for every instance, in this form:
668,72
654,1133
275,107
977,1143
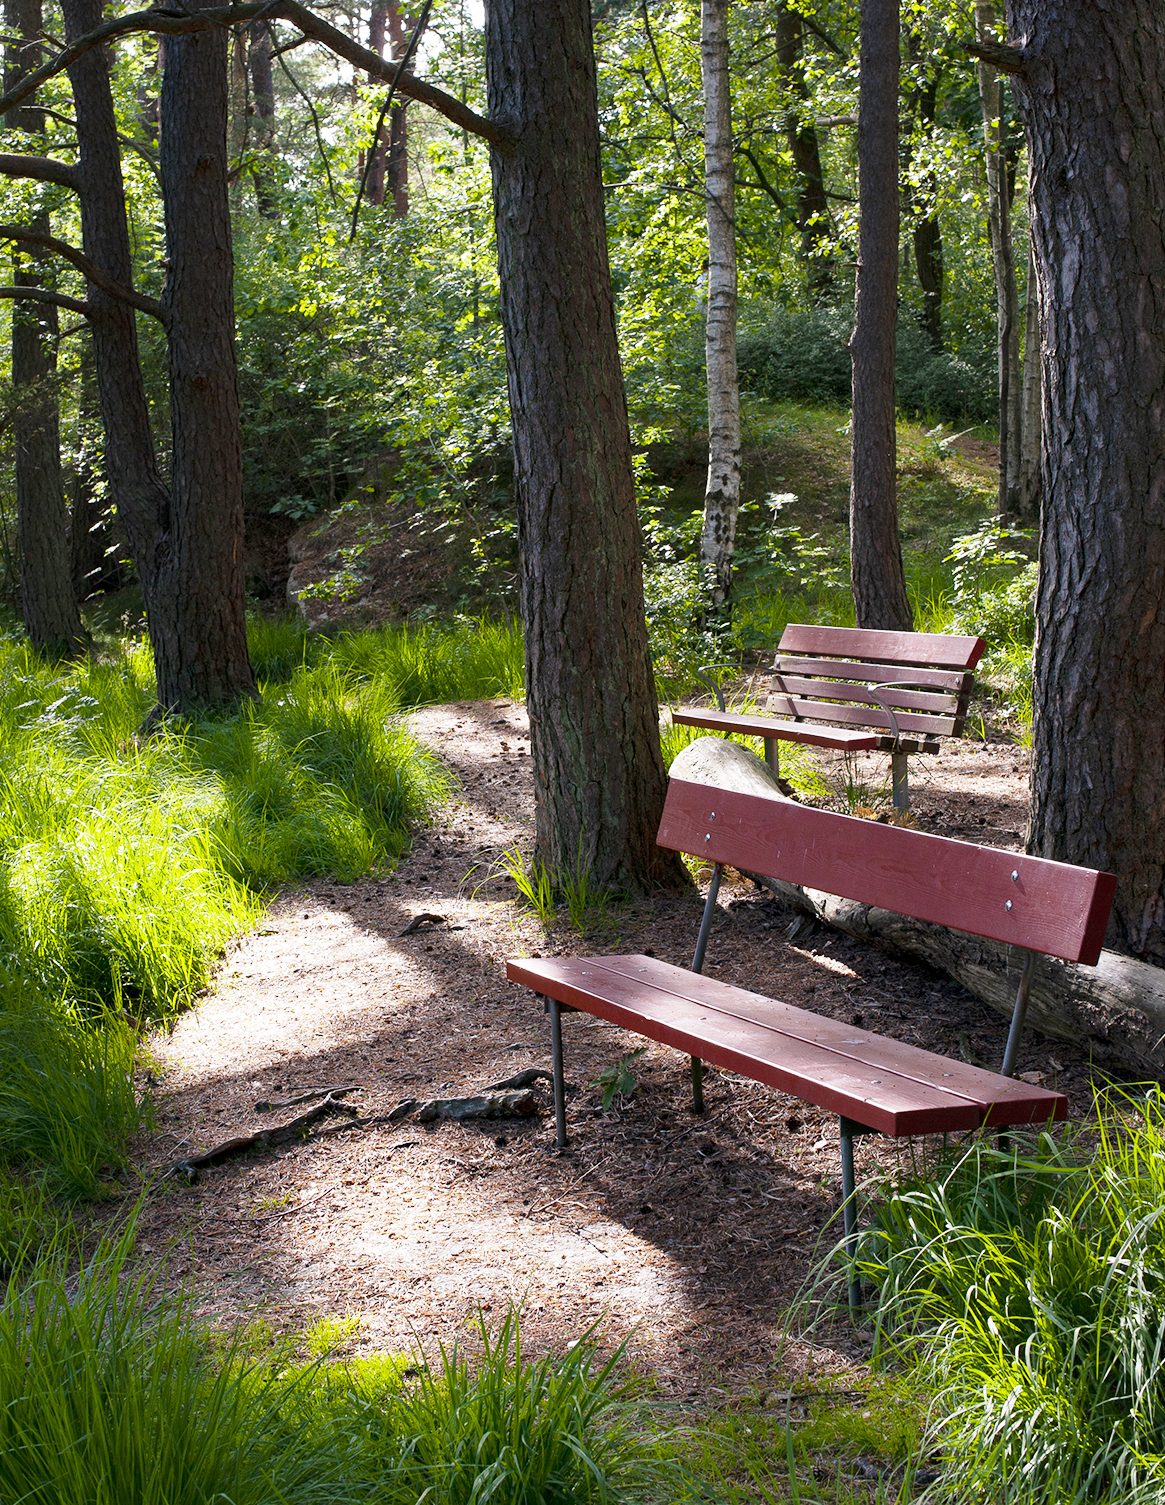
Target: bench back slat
1050,907
938,649
845,691
954,682
832,711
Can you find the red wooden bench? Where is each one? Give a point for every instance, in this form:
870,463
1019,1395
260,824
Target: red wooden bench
853,689
874,1084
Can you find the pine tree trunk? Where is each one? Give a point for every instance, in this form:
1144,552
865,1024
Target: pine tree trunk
813,221
599,779
1031,428
722,492
879,585
47,602
1092,95
1003,264
203,660
260,53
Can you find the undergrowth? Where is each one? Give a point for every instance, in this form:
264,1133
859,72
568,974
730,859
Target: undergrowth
111,1390
1028,1285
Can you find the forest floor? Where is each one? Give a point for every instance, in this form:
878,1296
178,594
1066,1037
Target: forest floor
692,1236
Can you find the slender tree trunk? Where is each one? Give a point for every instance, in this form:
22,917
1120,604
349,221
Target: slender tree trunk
926,232
1031,427
47,602
397,161
203,659
1003,263
813,221
722,492
599,779
374,179
94,536
879,584
260,54
1092,96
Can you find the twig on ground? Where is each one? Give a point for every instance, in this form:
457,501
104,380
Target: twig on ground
263,1106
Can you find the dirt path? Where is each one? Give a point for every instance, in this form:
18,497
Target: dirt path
692,1235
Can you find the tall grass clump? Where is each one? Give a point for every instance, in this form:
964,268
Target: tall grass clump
68,1104
1029,1284
109,1391
473,659
565,1427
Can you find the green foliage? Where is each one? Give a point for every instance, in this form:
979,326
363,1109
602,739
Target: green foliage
542,891
1029,1282
617,1084
802,355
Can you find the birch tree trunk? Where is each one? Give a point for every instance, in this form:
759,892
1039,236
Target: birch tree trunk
1003,265
1091,90
594,719
722,492
879,584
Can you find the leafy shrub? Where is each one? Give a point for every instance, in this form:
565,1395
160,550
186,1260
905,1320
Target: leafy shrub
803,354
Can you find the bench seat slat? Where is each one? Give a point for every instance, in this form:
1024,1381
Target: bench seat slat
817,1060
1050,907
938,649
846,739
864,716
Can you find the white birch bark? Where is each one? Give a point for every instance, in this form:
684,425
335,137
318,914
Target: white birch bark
722,493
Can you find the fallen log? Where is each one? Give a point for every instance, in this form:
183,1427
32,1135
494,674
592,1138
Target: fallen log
1115,1011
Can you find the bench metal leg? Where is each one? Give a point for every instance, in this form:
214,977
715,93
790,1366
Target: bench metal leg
697,1085
900,780
773,756
849,1208
556,1070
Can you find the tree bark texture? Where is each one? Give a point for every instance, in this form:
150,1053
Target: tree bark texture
879,585
722,492
1116,1010
599,779
47,602
1010,393
203,661
1092,96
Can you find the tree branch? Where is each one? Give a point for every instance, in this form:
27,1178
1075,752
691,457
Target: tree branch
43,169
1002,58
43,295
173,23
88,269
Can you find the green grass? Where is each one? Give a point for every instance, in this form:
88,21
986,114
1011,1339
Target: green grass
111,1391
1028,1285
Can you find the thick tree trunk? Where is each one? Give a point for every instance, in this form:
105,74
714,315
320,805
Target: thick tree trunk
813,221
203,659
879,585
1092,95
1010,408
1116,1010
599,780
47,602
722,492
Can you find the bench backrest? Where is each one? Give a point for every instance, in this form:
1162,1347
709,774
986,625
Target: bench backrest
826,674
1050,907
